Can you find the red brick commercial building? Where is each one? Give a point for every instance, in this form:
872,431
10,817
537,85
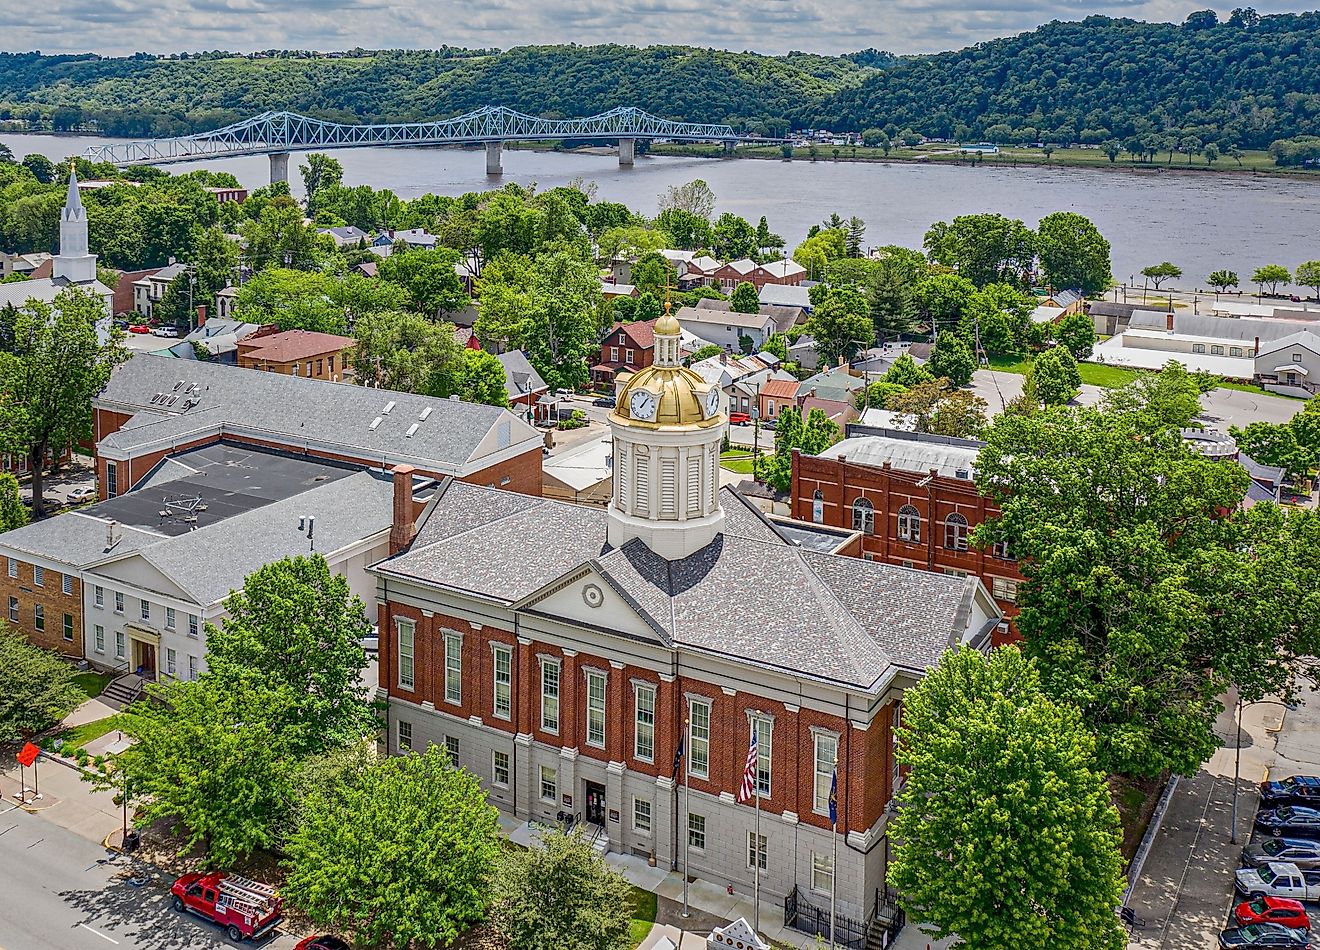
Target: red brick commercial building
560,653
913,501
153,408
298,353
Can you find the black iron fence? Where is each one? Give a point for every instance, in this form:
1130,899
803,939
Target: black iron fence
809,919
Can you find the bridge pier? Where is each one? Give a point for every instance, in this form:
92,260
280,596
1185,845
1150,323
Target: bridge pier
493,166
729,146
279,167
627,149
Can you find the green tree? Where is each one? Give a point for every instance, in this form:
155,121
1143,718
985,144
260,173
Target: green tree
211,757
483,380
936,408
401,855
841,326
1113,610
1056,376
173,309
686,229
906,372
1308,275
733,237
13,513
1159,273
855,231
405,352
48,379
215,261
952,359
745,299
891,293
984,248
1077,332
1073,254
872,137
998,316
41,167
430,279
1112,150
37,688
280,239
1221,280
981,851
1272,274
694,198
777,345
295,629
652,274
767,240
319,172
811,436
705,353
876,395
1277,445
562,895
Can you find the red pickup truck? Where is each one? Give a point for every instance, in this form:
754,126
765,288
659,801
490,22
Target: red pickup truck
245,908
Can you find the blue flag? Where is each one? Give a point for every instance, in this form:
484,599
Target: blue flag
834,797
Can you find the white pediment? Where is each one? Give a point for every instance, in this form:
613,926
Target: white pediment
587,598
134,571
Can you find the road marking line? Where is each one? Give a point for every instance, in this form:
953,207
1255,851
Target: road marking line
99,934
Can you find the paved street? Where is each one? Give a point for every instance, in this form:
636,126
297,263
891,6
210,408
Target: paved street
61,892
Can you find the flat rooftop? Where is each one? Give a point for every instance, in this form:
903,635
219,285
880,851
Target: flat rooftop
211,484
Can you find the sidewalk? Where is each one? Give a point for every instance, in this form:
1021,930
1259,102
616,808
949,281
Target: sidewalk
1185,891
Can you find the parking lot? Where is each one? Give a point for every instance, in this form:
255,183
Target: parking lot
77,474
1185,893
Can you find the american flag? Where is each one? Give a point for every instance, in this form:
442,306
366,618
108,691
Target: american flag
749,773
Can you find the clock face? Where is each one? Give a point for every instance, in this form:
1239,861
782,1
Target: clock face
712,402
642,404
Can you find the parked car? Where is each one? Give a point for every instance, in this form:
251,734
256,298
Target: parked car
81,494
169,331
1272,910
371,642
1265,935
739,418
1278,880
138,328
243,907
322,942
1293,790
605,402
1289,819
1299,851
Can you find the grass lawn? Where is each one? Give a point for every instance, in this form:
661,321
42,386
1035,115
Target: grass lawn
92,683
78,736
737,460
643,915
1108,377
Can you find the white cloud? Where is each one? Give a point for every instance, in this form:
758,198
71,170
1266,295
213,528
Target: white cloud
770,26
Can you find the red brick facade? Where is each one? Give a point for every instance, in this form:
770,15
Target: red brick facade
629,346
841,483
58,625
865,759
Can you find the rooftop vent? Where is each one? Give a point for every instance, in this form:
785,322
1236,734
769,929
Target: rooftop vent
962,473
411,429
178,385
375,422
424,413
388,407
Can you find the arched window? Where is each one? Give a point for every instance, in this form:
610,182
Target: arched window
818,506
955,533
909,524
863,516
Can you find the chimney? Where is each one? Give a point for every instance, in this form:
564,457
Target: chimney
403,525
111,534
201,316
1256,352
1168,322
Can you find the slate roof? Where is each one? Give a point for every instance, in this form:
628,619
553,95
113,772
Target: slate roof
749,594
298,410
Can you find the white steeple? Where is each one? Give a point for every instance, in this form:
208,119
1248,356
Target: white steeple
73,262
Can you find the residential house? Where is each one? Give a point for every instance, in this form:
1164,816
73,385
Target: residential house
628,347
913,498
727,328
583,474
836,384
1291,364
561,652
610,290
124,298
219,338
150,288
786,295
777,394
298,353
745,391
348,236
22,264
414,237
227,195
524,385
1068,301
152,407
840,412
785,318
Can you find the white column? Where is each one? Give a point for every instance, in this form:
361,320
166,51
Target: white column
493,166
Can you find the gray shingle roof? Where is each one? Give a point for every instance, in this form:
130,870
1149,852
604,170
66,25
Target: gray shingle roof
74,538
1223,328
748,594
297,410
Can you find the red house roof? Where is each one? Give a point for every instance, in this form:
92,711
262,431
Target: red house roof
642,333
780,388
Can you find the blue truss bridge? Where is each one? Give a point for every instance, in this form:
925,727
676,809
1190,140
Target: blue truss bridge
278,133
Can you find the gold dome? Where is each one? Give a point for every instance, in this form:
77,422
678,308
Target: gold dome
668,324
680,397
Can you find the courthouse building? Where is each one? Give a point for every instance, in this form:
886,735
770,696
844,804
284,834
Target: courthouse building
561,652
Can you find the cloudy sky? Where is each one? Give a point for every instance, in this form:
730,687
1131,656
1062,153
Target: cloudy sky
769,26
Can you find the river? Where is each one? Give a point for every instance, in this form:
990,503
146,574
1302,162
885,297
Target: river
1201,222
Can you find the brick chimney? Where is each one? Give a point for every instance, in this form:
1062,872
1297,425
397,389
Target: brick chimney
404,523
201,316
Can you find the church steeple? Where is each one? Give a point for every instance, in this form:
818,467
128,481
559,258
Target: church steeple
74,262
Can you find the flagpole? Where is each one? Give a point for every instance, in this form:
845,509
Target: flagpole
834,875
756,864
687,835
